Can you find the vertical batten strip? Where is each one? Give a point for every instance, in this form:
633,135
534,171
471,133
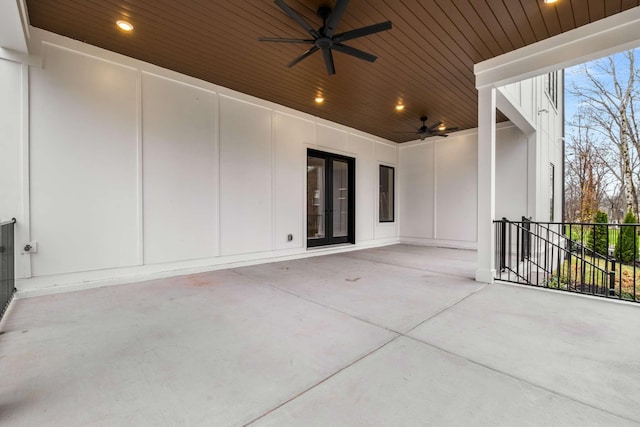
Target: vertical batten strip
140,183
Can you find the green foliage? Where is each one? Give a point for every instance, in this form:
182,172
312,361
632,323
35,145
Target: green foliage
597,236
627,247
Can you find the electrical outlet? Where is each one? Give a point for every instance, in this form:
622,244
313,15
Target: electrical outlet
29,248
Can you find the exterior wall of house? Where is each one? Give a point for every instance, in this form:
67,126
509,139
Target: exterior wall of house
10,135
121,170
533,100
437,190
438,176
438,193
136,172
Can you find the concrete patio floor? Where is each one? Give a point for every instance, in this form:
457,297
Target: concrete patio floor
399,335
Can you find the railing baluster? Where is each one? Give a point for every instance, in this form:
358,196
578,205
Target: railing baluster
510,249
612,279
566,256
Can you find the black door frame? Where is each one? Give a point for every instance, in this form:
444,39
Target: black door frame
328,239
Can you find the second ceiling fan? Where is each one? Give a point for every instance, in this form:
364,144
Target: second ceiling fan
437,129
325,39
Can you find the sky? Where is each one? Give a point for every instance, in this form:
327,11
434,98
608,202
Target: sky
573,76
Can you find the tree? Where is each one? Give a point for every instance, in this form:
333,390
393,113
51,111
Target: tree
609,94
587,173
598,239
627,246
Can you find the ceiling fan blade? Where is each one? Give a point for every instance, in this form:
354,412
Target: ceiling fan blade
432,127
281,40
451,129
301,57
360,32
292,13
354,52
334,18
328,60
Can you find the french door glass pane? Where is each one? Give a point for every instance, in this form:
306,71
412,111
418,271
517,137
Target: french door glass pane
315,198
340,198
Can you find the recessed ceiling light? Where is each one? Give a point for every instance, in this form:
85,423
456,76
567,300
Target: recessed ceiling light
550,1
124,26
319,99
400,107
442,127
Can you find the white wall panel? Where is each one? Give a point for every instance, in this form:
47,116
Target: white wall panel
416,179
528,102
180,209
84,191
10,139
245,177
386,153
511,174
291,136
331,137
456,188
386,230
366,186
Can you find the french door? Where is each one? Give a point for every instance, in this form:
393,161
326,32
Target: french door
330,199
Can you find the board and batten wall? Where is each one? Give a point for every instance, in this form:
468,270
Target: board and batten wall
438,176
133,171
532,102
438,191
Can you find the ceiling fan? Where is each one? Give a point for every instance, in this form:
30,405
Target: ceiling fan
324,38
425,131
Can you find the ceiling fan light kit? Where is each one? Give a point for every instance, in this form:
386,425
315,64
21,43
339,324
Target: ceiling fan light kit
325,39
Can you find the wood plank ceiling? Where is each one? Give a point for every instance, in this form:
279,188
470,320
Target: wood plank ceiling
426,60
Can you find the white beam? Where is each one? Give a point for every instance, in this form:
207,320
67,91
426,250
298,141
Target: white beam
610,35
14,29
514,113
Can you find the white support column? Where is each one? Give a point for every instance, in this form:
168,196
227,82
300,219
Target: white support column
485,267
533,188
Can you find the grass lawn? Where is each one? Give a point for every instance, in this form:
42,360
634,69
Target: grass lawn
594,274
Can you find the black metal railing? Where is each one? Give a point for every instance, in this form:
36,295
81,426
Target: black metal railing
7,273
591,258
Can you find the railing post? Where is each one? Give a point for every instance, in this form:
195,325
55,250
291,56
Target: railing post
526,239
612,278
503,244
583,264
